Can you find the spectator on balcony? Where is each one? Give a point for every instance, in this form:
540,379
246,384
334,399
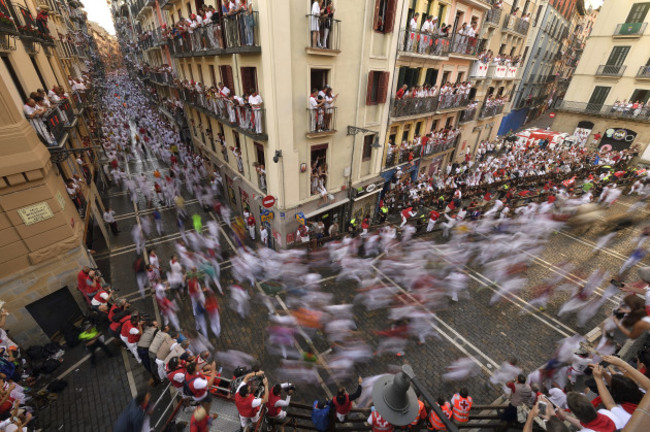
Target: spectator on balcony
255,101
249,24
315,111
401,92
41,19
426,34
56,94
526,18
329,108
314,24
498,4
328,19
412,35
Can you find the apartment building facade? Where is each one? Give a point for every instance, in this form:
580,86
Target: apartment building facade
610,88
311,164
44,222
535,93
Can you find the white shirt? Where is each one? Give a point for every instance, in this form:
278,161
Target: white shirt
109,216
256,402
315,9
255,100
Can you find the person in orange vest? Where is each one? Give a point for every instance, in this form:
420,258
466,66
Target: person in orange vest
248,406
434,422
343,401
461,403
422,414
378,423
275,404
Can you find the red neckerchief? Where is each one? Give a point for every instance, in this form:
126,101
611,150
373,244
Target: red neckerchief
601,423
629,407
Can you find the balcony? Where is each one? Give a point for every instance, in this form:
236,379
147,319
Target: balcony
29,30
497,72
515,25
468,115
493,17
51,126
322,122
614,71
608,111
479,70
238,34
644,73
630,30
441,145
246,119
453,101
413,106
418,44
466,46
397,156
162,78
491,110
328,41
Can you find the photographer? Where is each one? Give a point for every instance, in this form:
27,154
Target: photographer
198,385
101,299
546,411
149,332
274,406
248,406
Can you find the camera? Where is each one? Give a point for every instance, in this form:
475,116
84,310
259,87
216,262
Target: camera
291,387
618,313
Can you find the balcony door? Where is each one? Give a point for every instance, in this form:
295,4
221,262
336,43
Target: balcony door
616,60
638,12
598,97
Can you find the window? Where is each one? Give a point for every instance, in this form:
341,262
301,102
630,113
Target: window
598,97
377,87
408,76
640,96
14,78
418,128
434,125
539,12
431,77
200,69
617,56
502,49
318,169
188,7
445,77
459,77
259,152
449,123
226,77
638,12
319,78
406,133
366,154
248,79
38,72
213,77
384,15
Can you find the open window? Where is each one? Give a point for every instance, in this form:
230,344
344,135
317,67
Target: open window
248,79
377,87
318,169
384,15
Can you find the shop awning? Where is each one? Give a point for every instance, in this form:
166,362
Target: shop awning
325,208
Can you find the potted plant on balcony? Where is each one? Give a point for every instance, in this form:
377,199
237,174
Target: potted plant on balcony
6,23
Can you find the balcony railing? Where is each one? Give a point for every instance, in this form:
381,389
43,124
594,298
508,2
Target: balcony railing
7,27
238,33
515,24
50,126
490,111
413,106
610,111
465,45
162,78
29,29
204,40
493,17
468,115
611,70
630,29
478,70
497,72
451,101
644,72
440,145
248,120
327,39
397,156
321,121
416,42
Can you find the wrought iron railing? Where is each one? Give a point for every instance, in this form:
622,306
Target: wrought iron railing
630,29
465,45
644,72
516,24
468,115
413,106
329,33
493,17
321,120
454,100
490,111
416,42
611,111
611,70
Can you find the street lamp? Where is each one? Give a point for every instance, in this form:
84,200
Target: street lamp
397,402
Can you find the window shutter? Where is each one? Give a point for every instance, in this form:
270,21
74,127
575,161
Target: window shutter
382,88
371,85
376,21
390,16
226,77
